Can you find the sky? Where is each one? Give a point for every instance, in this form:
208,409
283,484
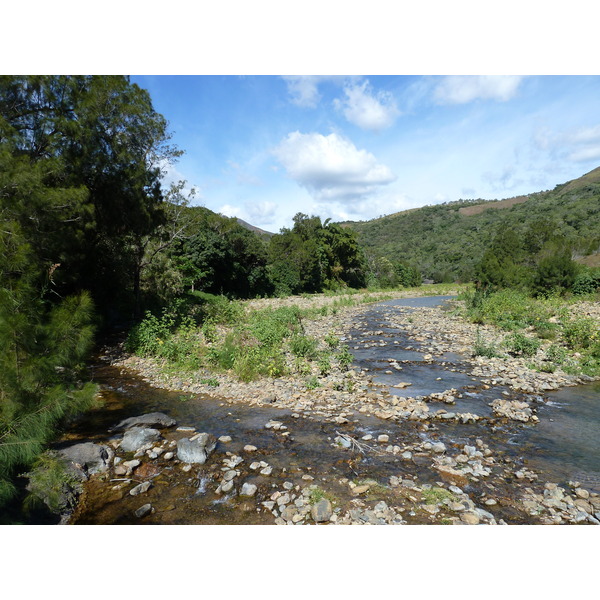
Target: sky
263,148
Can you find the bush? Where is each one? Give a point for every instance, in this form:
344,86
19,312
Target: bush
304,346
521,345
580,334
481,348
587,282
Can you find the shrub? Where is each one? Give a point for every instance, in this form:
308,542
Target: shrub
482,348
304,346
345,358
580,334
521,345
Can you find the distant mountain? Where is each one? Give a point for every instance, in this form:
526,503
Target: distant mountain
445,241
261,232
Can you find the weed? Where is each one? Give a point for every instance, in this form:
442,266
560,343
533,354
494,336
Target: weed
482,348
437,495
345,358
211,382
317,493
332,341
312,383
521,345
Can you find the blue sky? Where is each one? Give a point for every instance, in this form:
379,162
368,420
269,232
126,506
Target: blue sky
266,147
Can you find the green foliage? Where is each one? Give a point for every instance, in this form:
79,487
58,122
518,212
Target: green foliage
587,282
332,341
345,358
304,346
437,495
448,240
580,334
315,256
312,383
50,483
482,348
521,345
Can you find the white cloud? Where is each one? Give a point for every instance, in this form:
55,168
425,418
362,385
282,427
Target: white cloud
331,167
304,89
368,110
261,212
460,89
576,145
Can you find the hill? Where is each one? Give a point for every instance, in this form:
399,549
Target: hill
266,235
445,241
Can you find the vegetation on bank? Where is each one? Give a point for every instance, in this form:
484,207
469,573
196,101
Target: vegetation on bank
222,335
548,331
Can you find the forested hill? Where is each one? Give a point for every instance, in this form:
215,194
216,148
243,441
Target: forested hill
446,241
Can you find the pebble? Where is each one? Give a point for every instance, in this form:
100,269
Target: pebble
142,511
225,439
383,439
140,489
250,448
248,489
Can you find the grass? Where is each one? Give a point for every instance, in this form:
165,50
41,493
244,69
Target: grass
532,323
317,494
437,495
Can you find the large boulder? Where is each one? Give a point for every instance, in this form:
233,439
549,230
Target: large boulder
137,437
196,449
87,459
155,419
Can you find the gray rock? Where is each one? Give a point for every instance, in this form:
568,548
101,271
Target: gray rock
248,489
142,488
321,511
87,459
142,511
155,419
197,450
137,437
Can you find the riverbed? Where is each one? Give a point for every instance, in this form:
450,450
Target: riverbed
392,451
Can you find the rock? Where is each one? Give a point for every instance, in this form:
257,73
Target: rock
225,439
452,476
321,511
87,459
581,493
360,489
438,447
248,489
155,419
226,486
142,511
229,475
140,489
249,448
147,470
469,518
266,471
137,437
383,439
198,450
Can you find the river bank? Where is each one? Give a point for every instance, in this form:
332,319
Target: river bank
358,448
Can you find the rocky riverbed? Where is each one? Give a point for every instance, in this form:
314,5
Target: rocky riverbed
361,448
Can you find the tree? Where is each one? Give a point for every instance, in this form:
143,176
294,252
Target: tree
100,138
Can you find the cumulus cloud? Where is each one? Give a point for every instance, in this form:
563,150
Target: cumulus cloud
460,89
576,145
331,167
303,89
259,214
366,109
